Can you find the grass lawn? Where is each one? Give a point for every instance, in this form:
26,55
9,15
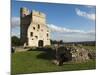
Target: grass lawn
41,61
90,47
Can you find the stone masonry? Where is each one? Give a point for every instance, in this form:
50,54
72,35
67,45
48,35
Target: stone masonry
33,28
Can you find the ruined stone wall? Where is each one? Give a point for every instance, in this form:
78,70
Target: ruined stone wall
25,19
39,28
33,28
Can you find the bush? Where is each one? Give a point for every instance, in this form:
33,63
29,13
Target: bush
47,46
92,55
15,41
62,55
12,49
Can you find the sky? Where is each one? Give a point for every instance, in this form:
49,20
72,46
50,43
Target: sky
67,22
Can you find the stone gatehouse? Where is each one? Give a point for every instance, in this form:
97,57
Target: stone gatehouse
33,28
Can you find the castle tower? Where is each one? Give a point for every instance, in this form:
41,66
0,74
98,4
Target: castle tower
34,31
25,19
24,12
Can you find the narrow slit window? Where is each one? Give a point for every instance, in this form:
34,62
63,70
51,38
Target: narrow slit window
31,34
47,35
38,26
33,28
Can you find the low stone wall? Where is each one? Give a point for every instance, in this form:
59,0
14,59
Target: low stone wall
80,55
72,53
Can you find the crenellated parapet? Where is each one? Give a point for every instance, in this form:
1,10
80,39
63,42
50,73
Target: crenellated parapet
24,12
39,14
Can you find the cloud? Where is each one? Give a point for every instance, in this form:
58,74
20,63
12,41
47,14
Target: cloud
13,33
15,26
59,33
58,29
84,14
15,22
73,37
70,35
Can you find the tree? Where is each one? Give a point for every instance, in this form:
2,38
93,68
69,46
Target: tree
61,41
15,41
56,42
53,41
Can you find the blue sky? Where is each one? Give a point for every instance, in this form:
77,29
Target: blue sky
67,22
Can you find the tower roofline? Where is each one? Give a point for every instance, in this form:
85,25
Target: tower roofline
38,13
34,12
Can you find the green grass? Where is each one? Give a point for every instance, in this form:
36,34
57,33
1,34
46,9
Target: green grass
90,47
40,61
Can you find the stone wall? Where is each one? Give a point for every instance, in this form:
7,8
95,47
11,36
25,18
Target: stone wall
75,54
34,30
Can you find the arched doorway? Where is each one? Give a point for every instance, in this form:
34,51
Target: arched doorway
40,43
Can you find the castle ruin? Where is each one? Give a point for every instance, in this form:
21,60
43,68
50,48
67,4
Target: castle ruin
33,28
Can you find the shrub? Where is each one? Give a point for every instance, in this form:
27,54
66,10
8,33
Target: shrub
47,46
92,55
15,41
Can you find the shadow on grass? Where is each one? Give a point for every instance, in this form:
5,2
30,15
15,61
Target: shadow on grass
45,53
